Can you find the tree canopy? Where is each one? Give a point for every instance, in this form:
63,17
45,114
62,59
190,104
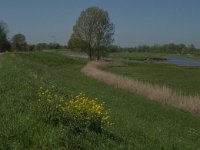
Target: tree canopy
93,31
165,48
4,43
19,42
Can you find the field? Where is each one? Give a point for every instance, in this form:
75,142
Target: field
196,56
138,55
139,123
184,80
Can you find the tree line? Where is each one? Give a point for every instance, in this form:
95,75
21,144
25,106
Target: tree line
18,42
4,43
165,48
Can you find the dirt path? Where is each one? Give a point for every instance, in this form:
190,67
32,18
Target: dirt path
161,94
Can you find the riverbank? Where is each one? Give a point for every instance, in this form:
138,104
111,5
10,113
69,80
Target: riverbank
154,92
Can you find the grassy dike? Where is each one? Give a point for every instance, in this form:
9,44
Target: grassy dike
139,122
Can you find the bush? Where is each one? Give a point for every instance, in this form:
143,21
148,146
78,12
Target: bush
79,112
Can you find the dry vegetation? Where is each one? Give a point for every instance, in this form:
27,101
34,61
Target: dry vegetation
154,92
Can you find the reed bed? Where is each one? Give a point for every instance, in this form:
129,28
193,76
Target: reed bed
154,92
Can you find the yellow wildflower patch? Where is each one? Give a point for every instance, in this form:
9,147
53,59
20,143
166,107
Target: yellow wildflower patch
82,111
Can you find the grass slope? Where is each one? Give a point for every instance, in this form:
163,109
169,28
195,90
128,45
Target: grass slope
139,122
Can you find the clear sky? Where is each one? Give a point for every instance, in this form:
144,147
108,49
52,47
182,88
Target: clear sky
137,22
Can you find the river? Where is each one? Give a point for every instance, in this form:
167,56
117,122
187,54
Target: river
181,61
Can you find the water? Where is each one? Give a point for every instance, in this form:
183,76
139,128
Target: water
181,61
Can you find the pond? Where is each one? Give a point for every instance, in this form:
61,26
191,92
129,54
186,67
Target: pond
181,61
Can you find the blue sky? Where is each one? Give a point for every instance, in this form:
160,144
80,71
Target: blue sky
137,22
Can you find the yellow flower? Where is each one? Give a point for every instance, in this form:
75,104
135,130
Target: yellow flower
81,108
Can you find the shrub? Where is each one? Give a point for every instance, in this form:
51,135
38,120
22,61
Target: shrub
48,106
79,112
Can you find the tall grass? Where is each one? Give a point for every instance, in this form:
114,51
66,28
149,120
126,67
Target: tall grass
154,92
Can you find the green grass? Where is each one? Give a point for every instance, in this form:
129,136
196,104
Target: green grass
56,50
195,56
138,55
139,122
179,78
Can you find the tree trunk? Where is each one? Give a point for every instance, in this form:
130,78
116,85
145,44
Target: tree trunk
90,52
98,51
98,54
90,48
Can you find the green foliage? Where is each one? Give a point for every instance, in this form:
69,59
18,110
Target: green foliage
48,104
4,43
77,44
93,31
19,42
170,48
47,46
41,46
79,112
54,46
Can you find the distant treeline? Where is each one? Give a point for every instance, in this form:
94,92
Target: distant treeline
166,48
18,42
46,46
31,47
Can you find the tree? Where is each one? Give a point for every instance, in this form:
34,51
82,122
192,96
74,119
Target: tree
19,42
54,46
42,46
114,48
191,47
4,43
94,29
78,44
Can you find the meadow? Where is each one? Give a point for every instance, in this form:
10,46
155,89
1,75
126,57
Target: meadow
141,56
182,79
139,123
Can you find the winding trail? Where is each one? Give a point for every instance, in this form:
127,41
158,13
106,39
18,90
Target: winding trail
154,92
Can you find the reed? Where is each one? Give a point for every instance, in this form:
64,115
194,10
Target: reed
154,92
